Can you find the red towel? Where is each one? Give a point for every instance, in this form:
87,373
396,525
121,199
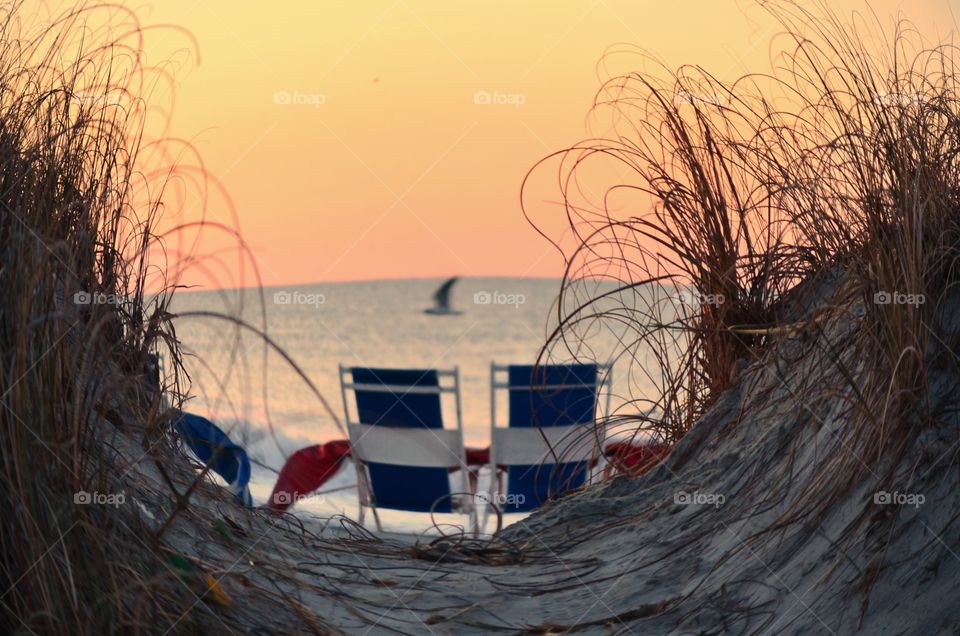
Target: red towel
477,456
633,459
306,470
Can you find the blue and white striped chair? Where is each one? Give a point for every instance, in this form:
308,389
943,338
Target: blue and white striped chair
404,455
551,439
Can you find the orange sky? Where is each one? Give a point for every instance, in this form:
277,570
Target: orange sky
388,168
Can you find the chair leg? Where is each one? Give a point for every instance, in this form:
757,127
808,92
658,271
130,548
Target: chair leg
486,516
473,479
490,496
365,499
376,518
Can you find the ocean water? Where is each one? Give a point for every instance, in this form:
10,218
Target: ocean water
254,393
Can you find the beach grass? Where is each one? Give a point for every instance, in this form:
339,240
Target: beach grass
78,219
839,164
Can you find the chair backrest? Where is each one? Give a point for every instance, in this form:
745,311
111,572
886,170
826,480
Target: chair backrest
398,435
550,440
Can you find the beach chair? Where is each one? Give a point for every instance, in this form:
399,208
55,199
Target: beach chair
403,454
551,440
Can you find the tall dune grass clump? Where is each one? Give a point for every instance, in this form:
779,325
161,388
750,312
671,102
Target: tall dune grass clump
78,216
785,248
737,215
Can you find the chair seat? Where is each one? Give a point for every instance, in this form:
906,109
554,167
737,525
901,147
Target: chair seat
410,488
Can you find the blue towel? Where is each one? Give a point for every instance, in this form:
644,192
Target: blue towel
213,447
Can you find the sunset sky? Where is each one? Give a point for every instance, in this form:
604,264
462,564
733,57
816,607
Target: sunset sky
383,164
